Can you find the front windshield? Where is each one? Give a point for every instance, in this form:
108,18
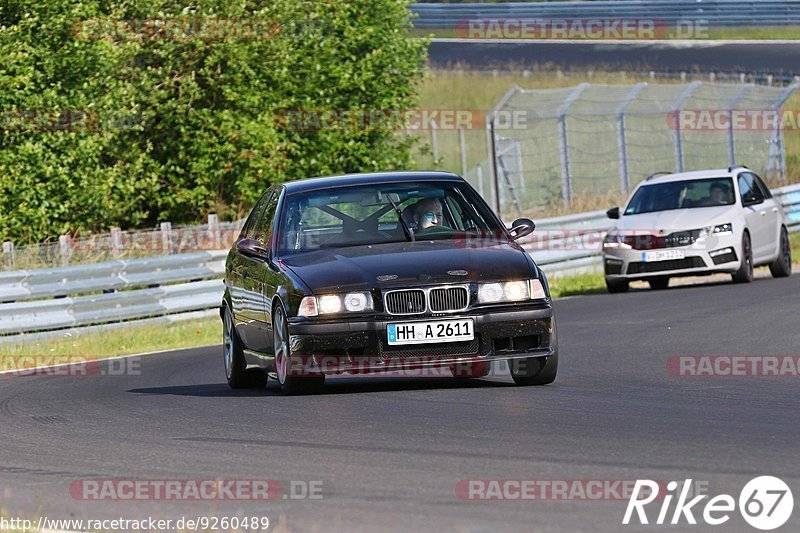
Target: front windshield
357,215
686,194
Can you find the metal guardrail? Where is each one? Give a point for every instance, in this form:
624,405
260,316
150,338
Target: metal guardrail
115,292
572,244
50,299
711,12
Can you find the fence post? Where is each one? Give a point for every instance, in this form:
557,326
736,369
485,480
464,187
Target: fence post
65,248
731,105
479,173
777,151
213,230
624,179
166,237
434,143
566,179
491,145
116,241
8,253
676,109
462,147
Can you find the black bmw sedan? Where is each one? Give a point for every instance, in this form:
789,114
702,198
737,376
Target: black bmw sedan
367,273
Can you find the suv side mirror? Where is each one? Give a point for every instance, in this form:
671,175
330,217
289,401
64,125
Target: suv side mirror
522,227
751,200
613,212
252,248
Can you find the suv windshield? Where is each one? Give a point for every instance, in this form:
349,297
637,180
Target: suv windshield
686,194
373,214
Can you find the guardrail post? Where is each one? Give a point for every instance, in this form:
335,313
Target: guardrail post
166,237
65,248
8,254
116,241
213,230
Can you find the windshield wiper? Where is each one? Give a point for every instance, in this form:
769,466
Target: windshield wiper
407,230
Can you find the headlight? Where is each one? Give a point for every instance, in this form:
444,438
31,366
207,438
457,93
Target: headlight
723,229
511,291
328,304
615,240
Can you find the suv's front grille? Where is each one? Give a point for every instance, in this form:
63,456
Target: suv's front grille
405,302
447,299
653,242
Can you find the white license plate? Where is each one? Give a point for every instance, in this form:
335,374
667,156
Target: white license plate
462,329
662,255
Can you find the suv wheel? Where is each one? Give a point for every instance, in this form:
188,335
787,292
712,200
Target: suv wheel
745,272
782,266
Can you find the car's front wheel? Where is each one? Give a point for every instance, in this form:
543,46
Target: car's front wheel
658,284
534,370
291,375
745,272
617,285
236,372
782,266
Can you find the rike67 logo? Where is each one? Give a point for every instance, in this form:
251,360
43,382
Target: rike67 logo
765,503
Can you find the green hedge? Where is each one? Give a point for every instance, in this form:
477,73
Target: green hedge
104,128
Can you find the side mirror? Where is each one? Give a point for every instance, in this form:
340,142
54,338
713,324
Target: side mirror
751,200
252,248
522,227
613,212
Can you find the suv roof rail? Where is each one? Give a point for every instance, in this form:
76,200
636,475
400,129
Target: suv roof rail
659,173
730,168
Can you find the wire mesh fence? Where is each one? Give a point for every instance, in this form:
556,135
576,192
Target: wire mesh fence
554,145
121,244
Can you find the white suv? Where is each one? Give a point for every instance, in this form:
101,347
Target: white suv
696,223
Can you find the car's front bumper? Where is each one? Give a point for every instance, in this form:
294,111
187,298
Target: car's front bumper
720,254
361,346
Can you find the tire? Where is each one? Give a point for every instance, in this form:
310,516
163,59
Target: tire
236,372
470,370
617,285
288,369
658,284
745,272
782,266
534,370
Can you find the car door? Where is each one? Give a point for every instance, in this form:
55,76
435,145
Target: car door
251,314
267,272
756,216
237,283
772,214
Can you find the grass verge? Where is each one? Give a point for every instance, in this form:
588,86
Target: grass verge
110,343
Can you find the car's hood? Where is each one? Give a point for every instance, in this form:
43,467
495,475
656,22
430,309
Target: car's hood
665,222
407,264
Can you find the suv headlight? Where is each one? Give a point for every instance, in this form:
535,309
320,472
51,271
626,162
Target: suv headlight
615,240
511,291
330,304
723,229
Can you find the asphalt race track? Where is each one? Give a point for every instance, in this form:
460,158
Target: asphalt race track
778,58
390,451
